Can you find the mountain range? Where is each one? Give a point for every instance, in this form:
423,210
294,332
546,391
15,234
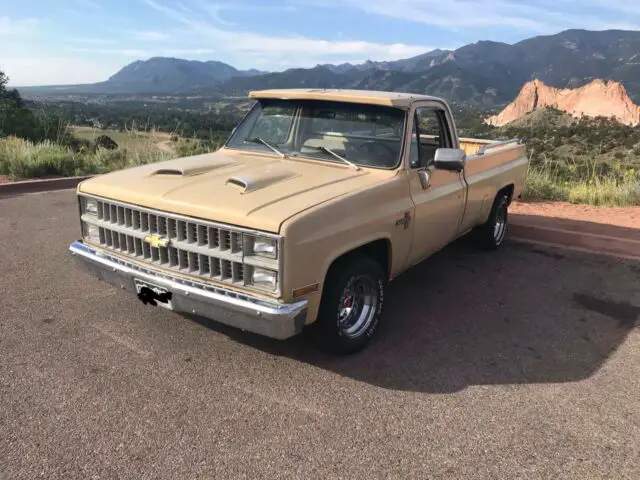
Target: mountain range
483,73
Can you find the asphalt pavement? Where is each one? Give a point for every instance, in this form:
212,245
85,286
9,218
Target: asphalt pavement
521,363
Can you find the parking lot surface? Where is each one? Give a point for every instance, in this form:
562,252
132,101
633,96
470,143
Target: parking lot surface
521,363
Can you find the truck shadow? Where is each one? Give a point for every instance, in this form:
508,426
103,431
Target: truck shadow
462,318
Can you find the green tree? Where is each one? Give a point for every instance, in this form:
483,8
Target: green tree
18,120
15,119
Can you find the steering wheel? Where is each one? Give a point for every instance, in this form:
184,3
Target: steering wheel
377,150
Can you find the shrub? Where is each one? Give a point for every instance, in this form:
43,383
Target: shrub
108,160
591,182
106,142
188,147
78,144
143,157
20,159
543,184
606,192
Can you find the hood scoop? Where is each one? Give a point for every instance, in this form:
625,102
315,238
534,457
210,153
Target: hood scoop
252,181
191,170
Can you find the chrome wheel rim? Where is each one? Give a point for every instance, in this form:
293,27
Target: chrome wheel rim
357,306
500,226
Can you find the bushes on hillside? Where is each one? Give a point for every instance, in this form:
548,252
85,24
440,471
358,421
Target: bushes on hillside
105,141
186,147
22,159
18,120
111,159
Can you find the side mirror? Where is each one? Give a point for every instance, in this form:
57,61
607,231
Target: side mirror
451,159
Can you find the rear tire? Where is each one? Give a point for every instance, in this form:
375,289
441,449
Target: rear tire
492,234
351,305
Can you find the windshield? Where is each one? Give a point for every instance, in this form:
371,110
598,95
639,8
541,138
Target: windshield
364,135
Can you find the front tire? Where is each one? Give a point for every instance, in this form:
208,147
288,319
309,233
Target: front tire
351,305
492,234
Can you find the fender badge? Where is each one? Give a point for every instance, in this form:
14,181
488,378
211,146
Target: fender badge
404,221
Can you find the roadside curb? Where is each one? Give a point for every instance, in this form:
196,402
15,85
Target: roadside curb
37,186
587,237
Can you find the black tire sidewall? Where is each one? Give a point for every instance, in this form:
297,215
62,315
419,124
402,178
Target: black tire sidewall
484,235
332,336
501,203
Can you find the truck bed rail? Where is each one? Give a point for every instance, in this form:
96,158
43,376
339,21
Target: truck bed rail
483,149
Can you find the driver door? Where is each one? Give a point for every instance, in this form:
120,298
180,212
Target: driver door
438,195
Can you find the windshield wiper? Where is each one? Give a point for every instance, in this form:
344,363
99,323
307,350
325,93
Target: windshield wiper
339,157
266,144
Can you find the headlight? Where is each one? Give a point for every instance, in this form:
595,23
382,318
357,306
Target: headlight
261,277
90,206
91,232
265,247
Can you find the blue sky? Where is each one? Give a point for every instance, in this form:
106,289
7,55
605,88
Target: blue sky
77,41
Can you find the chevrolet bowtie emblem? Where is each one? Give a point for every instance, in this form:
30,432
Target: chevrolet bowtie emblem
156,241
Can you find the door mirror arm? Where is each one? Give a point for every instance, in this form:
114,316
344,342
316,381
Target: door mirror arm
424,175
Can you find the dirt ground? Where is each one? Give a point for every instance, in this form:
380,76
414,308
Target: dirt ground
619,216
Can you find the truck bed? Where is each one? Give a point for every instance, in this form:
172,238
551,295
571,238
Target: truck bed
491,165
471,146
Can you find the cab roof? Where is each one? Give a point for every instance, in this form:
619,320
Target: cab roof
374,97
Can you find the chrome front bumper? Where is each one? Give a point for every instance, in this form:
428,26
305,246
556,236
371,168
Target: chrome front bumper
244,311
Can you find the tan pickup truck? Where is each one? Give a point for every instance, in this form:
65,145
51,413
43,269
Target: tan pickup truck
318,199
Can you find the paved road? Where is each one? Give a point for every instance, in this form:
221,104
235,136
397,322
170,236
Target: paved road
523,363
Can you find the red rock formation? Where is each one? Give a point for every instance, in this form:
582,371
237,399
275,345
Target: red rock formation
598,98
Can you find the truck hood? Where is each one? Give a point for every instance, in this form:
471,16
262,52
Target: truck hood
238,188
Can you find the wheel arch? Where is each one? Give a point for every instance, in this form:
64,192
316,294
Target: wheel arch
508,189
379,249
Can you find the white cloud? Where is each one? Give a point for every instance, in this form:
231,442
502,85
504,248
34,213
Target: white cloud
93,41
287,50
144,53
125,52
546,17
9,27
89,4
187,51
150,36
203,29
24,71
183,7
215,11
625,6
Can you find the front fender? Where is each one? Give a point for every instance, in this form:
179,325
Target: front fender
314,239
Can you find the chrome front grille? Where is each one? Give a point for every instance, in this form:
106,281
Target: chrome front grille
194,247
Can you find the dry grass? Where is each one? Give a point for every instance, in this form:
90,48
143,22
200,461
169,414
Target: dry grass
22,159
132,140
547,181
584,183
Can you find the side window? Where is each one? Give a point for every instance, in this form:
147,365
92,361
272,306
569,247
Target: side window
429,134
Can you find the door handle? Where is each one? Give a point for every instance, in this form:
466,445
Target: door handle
425,178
